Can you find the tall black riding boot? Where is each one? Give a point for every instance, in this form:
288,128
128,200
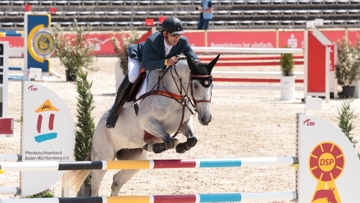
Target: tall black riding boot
121,96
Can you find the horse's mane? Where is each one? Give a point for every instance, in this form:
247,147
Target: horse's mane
182,62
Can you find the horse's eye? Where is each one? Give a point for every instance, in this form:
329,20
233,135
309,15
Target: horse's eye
196,86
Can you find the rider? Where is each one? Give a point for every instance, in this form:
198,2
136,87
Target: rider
160,50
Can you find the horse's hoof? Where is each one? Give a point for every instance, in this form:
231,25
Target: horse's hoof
181,148
191,142
158,148
170,143
148,147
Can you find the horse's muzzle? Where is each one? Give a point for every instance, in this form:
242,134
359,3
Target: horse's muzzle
205,120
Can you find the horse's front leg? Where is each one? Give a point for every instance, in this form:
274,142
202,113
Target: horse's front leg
153,127
187,130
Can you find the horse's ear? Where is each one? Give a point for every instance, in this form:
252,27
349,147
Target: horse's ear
213,62
190,61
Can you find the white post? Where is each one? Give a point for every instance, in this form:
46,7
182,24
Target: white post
4,58
327,72
306,45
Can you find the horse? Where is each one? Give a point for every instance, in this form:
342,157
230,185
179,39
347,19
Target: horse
172,97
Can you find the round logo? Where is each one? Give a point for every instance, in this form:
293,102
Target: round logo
326,161
43,43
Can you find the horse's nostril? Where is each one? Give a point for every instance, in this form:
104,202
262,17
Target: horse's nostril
205,120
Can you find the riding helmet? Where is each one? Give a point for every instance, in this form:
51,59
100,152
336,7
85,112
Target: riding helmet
173,25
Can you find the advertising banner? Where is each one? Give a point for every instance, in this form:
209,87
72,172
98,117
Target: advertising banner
196,39
353,34
292,39
242,39
334,35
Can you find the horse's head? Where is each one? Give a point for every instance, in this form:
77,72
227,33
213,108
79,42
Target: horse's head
201,84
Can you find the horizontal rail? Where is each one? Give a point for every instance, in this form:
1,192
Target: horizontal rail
10,157
255,80
146,164
249,50
238,87
9,190
251,73
263,63
255,74
13,68
246,58
15,77
183,198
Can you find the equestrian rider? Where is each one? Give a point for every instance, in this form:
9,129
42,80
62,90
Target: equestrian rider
160,50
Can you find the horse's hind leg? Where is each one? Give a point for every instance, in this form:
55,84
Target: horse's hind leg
186,129
98,175
101,138
123,176
96,178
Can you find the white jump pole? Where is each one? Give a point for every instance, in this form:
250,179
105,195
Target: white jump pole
10,157
249,50
9,190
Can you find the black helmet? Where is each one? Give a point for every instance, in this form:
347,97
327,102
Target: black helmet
172,24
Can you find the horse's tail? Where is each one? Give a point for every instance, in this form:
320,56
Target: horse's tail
76,178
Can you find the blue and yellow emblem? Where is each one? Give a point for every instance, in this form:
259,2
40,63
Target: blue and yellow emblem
43,43
39,43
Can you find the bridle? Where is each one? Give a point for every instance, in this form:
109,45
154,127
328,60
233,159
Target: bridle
194,77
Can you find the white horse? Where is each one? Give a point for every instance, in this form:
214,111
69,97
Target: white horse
172,97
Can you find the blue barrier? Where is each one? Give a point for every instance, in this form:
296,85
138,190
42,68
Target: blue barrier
15,77
15,68
11,33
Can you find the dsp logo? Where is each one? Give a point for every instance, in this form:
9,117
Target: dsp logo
326,162
308,122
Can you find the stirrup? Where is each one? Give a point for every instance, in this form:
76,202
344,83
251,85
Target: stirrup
111,119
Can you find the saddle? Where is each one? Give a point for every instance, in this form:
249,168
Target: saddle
136,86
132,91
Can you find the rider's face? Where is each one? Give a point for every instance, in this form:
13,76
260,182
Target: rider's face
172,38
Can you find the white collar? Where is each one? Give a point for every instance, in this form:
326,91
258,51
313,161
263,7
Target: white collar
167,48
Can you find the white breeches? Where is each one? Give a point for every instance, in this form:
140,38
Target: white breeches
134,68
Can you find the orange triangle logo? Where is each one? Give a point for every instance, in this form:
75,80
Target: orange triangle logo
46,106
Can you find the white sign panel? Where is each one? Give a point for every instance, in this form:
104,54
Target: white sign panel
48,135
328,163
